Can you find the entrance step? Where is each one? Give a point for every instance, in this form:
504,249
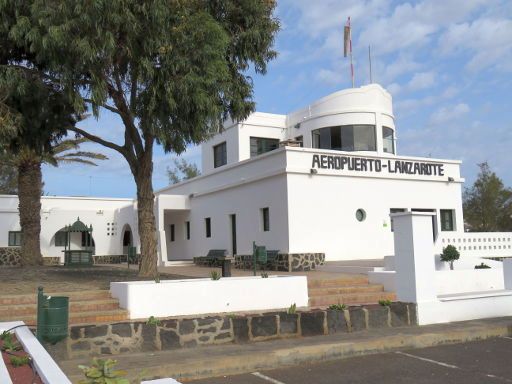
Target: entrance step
338,282
351,290
93,307
340,290
351,299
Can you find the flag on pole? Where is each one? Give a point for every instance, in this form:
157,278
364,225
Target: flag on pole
347,38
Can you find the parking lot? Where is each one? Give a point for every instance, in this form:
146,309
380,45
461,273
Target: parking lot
488,361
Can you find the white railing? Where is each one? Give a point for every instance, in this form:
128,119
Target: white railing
478,244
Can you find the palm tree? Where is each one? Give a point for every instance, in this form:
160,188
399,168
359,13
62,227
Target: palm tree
30,187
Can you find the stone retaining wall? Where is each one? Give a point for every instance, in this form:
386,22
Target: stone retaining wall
10,256
51,260
109,259
191,332
288,262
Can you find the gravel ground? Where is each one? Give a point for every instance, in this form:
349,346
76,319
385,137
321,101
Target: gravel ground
16,280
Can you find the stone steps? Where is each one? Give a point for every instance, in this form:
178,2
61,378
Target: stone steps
341,282
345,290
351,298
92,307
76,318
349,290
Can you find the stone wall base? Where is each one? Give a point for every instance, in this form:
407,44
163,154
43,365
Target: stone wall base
178,333
10,256
288,262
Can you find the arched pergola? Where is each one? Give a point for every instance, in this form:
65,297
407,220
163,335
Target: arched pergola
82,256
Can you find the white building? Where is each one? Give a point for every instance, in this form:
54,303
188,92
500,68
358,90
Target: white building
114,224
322,180
332,195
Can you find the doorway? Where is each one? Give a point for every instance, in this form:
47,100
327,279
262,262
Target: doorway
232,220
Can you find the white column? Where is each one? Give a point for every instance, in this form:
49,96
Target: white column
507,273
378,133
160,232
414,257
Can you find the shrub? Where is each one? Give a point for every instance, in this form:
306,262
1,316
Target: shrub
482,266
215,275
153,321
292,310
19,361
264,275
337,307
449,255
102,372
385,303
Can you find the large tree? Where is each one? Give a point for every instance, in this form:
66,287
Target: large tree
44,114
488,203
171,70
182,170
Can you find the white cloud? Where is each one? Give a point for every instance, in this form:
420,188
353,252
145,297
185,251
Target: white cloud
449,113
330,77
489,41
421,80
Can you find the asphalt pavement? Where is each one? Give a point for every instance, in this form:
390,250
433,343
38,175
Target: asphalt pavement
479,362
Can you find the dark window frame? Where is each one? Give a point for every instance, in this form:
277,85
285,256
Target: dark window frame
208,226
447,226
85,239
321,135
172,229
265,219
220,155
392,139
262,145
14,238
187,230
59,241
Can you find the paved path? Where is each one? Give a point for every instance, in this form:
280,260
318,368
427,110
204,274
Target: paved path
479,362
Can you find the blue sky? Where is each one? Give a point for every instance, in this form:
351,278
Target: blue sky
448,65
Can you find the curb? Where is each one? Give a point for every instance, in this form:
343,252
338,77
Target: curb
199,363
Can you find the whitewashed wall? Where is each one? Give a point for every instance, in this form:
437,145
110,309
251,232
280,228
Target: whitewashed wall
322,206
58,212
478,244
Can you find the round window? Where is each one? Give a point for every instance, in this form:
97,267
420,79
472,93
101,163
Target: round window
360,215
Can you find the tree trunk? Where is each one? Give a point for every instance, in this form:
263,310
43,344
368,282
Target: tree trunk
145,211
451,265
29,192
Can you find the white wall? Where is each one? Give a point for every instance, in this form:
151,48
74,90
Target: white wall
450,282
369,104
322,206
202,296
478,244
57,212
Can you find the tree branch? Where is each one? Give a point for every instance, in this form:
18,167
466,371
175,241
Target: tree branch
118,96
99,140
106,106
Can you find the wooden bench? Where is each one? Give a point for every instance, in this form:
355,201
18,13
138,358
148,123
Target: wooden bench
212,259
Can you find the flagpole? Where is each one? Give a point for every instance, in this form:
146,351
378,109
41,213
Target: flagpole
351,63
370,60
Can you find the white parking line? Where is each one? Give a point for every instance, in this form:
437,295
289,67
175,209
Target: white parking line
269,379
428,360
506,337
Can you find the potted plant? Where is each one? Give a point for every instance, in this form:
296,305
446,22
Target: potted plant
449,255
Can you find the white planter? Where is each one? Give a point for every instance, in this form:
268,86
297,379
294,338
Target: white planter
45,366
201,296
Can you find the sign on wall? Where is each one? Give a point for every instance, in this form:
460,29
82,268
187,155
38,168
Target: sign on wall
363,164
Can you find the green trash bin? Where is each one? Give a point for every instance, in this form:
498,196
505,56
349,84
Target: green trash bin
52,317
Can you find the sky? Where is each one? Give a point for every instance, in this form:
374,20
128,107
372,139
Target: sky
447,64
